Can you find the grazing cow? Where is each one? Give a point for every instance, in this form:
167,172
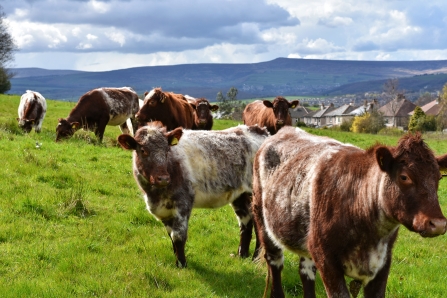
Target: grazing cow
32,110
272,115
98,108
340,207
203,119
173,110
206,169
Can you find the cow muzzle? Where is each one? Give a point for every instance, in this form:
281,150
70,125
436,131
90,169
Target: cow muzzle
433,227
160,180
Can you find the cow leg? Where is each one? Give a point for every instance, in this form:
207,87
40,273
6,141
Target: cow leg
307,275
241,207
377,286
100,128
177,229
273,254
124,127
333,278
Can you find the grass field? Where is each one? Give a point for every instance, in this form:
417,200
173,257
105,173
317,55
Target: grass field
74,224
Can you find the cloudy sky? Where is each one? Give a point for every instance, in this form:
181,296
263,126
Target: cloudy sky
98,35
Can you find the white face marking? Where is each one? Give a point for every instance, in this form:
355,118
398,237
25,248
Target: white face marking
149,95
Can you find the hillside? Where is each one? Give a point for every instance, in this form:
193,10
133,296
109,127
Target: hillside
282,76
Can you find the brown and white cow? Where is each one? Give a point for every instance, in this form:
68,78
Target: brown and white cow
173,110
98,108
206,169
340,207
32,110
203,119
272,115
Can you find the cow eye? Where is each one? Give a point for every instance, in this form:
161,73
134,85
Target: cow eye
403,177
144,151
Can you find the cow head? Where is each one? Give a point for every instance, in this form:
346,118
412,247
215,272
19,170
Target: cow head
152,101
413,174
203,111
151,145
65,129
280,107
26,124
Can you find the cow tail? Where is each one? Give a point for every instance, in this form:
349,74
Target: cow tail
260,261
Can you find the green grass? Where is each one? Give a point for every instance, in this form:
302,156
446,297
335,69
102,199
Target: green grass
74,224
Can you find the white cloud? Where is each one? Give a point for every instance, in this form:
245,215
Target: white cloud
116,37
139,32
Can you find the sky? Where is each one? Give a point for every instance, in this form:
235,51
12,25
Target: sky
101,35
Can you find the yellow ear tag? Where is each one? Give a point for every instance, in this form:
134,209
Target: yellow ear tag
73,126
174,142
163,99
443,172
293,106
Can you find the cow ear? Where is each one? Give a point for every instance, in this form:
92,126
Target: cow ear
214,108
384,159
442,162
75,125
293,104
127,142
268,103
146,93
174,136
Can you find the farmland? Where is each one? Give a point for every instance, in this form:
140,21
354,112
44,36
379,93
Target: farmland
74,224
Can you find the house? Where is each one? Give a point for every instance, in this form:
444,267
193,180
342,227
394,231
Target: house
318,118
297,114
395,113
336,116
365,108
430,109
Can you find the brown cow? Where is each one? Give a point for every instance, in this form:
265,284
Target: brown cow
173,110
98,108
32,110
272,115
340,207
206,169
203,119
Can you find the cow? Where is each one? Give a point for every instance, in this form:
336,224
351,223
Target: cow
272,115
32,110
183,169
203,119
173,110
98,108
340,207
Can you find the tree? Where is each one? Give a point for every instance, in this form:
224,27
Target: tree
228,104
7,49
416,120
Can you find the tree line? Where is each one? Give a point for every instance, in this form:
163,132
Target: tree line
7,49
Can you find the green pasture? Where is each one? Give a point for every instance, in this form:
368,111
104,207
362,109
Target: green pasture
74,224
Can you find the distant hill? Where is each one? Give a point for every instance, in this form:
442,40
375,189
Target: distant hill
282,76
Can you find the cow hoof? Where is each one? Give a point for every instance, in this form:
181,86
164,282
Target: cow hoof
180,265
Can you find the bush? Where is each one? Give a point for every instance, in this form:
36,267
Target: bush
346,125
368,123
300,124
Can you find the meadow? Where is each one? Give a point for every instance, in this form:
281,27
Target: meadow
74,224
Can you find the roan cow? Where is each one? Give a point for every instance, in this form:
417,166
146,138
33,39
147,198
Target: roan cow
203,119
340,207
205,169
32,110
172,109
98,108
272,115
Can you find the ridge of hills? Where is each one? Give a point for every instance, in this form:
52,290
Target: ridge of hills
281,76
